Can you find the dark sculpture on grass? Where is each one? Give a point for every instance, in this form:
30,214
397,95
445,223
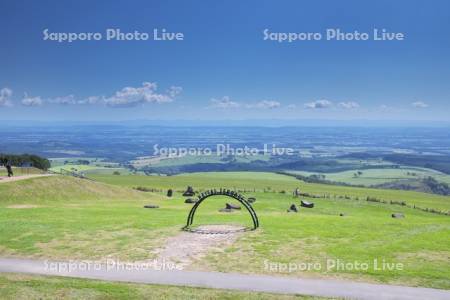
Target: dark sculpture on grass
306,204
222,192
190,201
189,192
293,208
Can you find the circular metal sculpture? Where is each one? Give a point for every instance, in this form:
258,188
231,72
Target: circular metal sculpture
222,192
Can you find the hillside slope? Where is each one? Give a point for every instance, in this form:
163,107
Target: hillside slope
63,188
271,182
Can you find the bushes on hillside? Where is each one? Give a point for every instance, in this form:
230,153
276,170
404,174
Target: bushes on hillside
25,159
440,188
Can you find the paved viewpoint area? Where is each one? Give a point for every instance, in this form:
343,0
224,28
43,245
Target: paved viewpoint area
257,283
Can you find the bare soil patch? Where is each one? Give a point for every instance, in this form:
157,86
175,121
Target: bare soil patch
4,179
187,247
22,206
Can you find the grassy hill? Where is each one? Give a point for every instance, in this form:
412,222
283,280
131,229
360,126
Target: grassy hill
62,216
62,188
260,181
239,180
67,218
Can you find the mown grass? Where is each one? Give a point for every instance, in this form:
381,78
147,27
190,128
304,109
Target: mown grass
260,181
80,219
15,286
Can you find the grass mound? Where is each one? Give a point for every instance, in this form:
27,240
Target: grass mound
63,188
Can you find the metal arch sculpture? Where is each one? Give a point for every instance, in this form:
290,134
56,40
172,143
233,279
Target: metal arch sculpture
222,192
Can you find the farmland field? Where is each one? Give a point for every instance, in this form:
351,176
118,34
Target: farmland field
88,169
189,159
370,177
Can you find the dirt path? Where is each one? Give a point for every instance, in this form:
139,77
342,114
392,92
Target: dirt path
186,247
4,179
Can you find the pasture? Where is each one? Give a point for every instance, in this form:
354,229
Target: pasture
375,176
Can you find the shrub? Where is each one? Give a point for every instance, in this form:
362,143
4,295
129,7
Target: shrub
18,160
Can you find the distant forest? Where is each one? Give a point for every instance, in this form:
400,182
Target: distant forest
436,162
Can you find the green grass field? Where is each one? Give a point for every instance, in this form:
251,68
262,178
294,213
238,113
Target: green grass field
95,166
74,160
89,169
376,176
13,286
73,168
260,181
69,218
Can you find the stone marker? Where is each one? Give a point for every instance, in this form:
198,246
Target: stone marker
307,204
190,200
151,206
251,199
342,215
293,208
189,192
231,206
398,215
169,193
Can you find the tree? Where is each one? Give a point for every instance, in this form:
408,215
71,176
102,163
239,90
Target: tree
18,160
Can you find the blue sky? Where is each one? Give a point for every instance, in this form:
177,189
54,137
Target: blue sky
223,69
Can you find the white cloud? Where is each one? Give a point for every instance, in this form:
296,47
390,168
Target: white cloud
318,104
5,97
92,100
64,100
291,106
419,104
31,101
147,93
128,96
174,91
224,102
348,105
265,104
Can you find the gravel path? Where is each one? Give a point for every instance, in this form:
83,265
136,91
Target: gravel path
4,179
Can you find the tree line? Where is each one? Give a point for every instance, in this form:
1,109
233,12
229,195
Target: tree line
19,160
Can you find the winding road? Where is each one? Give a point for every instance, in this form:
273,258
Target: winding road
233,281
